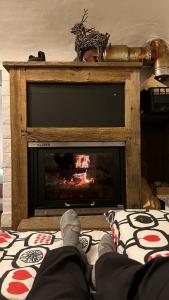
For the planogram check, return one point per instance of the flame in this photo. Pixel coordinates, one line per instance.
(80, 178)
(82, 161)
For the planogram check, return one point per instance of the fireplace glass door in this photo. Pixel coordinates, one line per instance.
(76, 177)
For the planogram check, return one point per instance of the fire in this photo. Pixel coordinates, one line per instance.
(79, 178)
(82, 161)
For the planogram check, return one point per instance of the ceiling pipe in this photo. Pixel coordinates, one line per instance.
(125, 53)
(161, 63)
(155, 54)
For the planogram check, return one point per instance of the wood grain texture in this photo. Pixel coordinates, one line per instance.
(77, 134)
(18, 146)
(46, 64)
(86, 211)
(133, 168)
(52, 223)
(20, 74)
(79, 75)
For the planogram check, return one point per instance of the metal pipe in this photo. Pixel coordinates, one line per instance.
(125, 53)
(156, 54)
(161, 64)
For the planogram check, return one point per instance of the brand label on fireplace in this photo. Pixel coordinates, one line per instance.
(74, 144)
(32, 145)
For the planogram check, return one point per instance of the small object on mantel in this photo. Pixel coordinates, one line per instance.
(163, 195)
(88, 38)
(40, 57)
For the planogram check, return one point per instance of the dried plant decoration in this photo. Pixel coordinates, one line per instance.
(88, 38)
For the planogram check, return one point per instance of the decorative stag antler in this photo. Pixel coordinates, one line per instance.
(89, 38)
(85, 16)
(90, 30)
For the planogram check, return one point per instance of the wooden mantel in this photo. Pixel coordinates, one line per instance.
(66, 72)
(43, 64)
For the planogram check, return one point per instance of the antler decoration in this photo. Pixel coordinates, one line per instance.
(88, 38)
(85, 16)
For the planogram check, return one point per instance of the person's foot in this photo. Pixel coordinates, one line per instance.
(70, 228)
(70, 231)
(106, 244)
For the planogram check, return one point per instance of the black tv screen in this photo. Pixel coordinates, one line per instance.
(75, 105)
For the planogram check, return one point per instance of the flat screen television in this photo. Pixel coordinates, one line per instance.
(75, 105)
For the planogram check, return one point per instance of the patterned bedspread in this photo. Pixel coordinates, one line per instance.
(21, 254)
(140, 234)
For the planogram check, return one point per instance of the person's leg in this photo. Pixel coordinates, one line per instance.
(152, 280)
(114, 272)
(61, 276)
(62, 273)
(121, 278)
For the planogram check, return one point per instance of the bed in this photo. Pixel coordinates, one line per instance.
(139, 234)
(21, 254)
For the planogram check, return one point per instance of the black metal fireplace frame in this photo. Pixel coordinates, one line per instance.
(36, 174)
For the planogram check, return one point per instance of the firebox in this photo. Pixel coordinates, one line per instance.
(76, 174)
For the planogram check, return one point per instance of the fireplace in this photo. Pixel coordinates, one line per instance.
(74, 105)
(76, 175)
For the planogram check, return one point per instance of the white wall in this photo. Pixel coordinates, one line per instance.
(28, 26)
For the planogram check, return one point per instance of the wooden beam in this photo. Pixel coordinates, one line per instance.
(47, 64)
(77, 134)
(18, 146)
(52, 223)
(133, 168)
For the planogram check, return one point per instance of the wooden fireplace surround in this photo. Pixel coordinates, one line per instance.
(21, 134)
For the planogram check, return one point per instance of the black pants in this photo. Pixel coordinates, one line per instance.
(62, 276)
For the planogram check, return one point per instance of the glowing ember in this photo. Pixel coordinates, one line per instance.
(82, 164)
